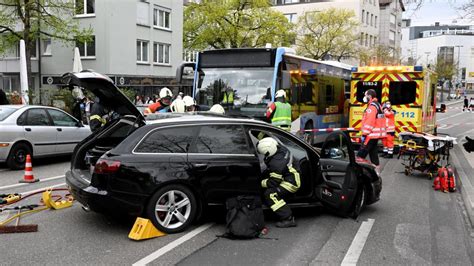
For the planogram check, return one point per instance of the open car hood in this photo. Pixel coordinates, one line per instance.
(104, 88)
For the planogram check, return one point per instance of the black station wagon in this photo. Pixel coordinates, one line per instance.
(170, 169)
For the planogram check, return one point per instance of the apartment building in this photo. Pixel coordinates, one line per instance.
(138, 43)
(390, 30)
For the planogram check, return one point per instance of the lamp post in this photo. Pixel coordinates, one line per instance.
(457, 65)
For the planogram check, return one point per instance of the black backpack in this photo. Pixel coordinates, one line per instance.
(245, 218)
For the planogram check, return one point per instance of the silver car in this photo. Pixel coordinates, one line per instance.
(37, 130)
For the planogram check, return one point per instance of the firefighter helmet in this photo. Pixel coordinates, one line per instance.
(217, 108)
(188, 101)
(165, 92)
(280, 93)
(177, 106)
(267, 146)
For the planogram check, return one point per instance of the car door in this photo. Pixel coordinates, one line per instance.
(38, 130)
(221, 161)
(69, 131)
(337, 186)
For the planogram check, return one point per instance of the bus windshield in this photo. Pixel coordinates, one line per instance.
(234, 87)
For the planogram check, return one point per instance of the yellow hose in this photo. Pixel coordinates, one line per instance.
(21, 214)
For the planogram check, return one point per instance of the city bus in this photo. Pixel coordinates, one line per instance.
(244, 82)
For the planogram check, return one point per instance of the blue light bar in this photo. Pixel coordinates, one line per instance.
(354, 69)
(312, 71)
(418, 68)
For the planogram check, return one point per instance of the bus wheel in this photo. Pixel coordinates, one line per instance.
(309, 136)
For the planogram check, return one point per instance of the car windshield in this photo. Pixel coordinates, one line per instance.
(237, 87)
(6, 112)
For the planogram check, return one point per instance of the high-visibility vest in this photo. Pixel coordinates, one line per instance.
(228, 97)
(373, 121)
(282, 115)
(389, 120)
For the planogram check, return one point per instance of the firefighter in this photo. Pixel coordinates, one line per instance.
(373, 127)
(228, 98)
(390, 128)
(189, 103)
(279, 112)
(178, 106)
(283, 179)
(163, 104)
(98, 116)
(218, 109)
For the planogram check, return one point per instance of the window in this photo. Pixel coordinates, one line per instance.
(291, 1)
(222, 139)
(61, 119)
(291, 17)
(363, 15)
(37, 117)
(336, 147)
(85, 7)
(161, 53)
(143, 15)
(393, 19)
(86, 49)
(370, 40)
(142, 51)
(329, 96)
(366, 39)
(169, 140)
(402, 92)
(46, 46)
(363, 86)
(375, 22)
(361, 38)
(391, 35)
(161, 18)
(371, 19)
(367, 18)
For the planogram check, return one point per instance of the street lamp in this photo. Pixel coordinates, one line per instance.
(457, 68)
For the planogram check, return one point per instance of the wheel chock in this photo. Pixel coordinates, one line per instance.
(50, 203)
(144, 229)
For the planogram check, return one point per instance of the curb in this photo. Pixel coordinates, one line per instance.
(465, 187)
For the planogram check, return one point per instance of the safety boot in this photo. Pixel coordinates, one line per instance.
(289, 222)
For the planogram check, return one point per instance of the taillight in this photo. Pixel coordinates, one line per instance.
(104, 166)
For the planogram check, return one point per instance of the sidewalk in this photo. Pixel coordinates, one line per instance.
(464, 163)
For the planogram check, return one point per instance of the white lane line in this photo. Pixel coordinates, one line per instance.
(353, 254)
(41, 180)
(162, 251)
(451, 116)
(40, 189)
(465, 133)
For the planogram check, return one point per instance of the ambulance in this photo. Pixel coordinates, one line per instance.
(410, 89)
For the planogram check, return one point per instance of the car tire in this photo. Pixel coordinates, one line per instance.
(359, 201)
(172, 218)
(17, 156)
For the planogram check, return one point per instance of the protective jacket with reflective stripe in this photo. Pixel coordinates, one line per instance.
(282, 115)
(373, 121)
(282, 172)
(389, 120)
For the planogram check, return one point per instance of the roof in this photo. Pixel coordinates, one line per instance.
(199, 117)
(388, 2)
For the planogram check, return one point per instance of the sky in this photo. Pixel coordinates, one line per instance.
(431, 11)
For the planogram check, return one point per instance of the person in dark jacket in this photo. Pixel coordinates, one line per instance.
(98, 116)
(282, 181)
(3, 98)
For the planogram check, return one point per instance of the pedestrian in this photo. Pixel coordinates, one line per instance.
(98, 116)
(138, 100)
(466, 104)
(3, 98)
(373, 128)
(390, 127)
(279, 112)
(163, 104)
(89, 104)
(471, 104)
(282, 180)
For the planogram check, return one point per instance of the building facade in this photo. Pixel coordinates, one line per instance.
(390, 30)
(137, 43)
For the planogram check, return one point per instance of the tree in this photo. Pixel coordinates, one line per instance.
(379, 55)
(445, 69)
(233, 24)
(33, 20)
(327, 34)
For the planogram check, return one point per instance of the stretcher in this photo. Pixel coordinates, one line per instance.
(424, 152)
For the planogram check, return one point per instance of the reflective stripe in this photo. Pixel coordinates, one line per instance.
(290, 187)
(282, 115)
(264, 183)
(276, 176)
(101, 120)
(277, 203)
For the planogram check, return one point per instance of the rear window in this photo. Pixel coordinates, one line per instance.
(363, 86)
(6, 112)
(169, 140)
(403, 92)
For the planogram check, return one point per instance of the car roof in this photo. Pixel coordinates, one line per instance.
(19, 106)
(200, 117)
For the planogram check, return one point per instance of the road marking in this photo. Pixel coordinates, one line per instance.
(40, 189)
(465, 133)
(24, 184)
(353, 254)
(451, 116)
(162, 251)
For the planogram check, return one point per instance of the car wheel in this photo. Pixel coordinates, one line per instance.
(172, 208)
(17, 157)
(359, 201)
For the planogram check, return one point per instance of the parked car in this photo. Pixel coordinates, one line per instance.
(37, 130)
(170, 169)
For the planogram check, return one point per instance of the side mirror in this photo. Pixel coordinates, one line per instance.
(285, 79)
(181, 70)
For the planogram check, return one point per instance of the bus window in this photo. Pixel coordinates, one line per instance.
(329, 95)
(363, 86)
(402, 92)
(307, 93)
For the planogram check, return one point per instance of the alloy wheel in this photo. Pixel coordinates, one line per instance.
(173, 209)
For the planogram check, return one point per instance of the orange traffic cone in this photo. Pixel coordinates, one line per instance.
(28, 177)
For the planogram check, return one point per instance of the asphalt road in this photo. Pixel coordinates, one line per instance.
(411, 224)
